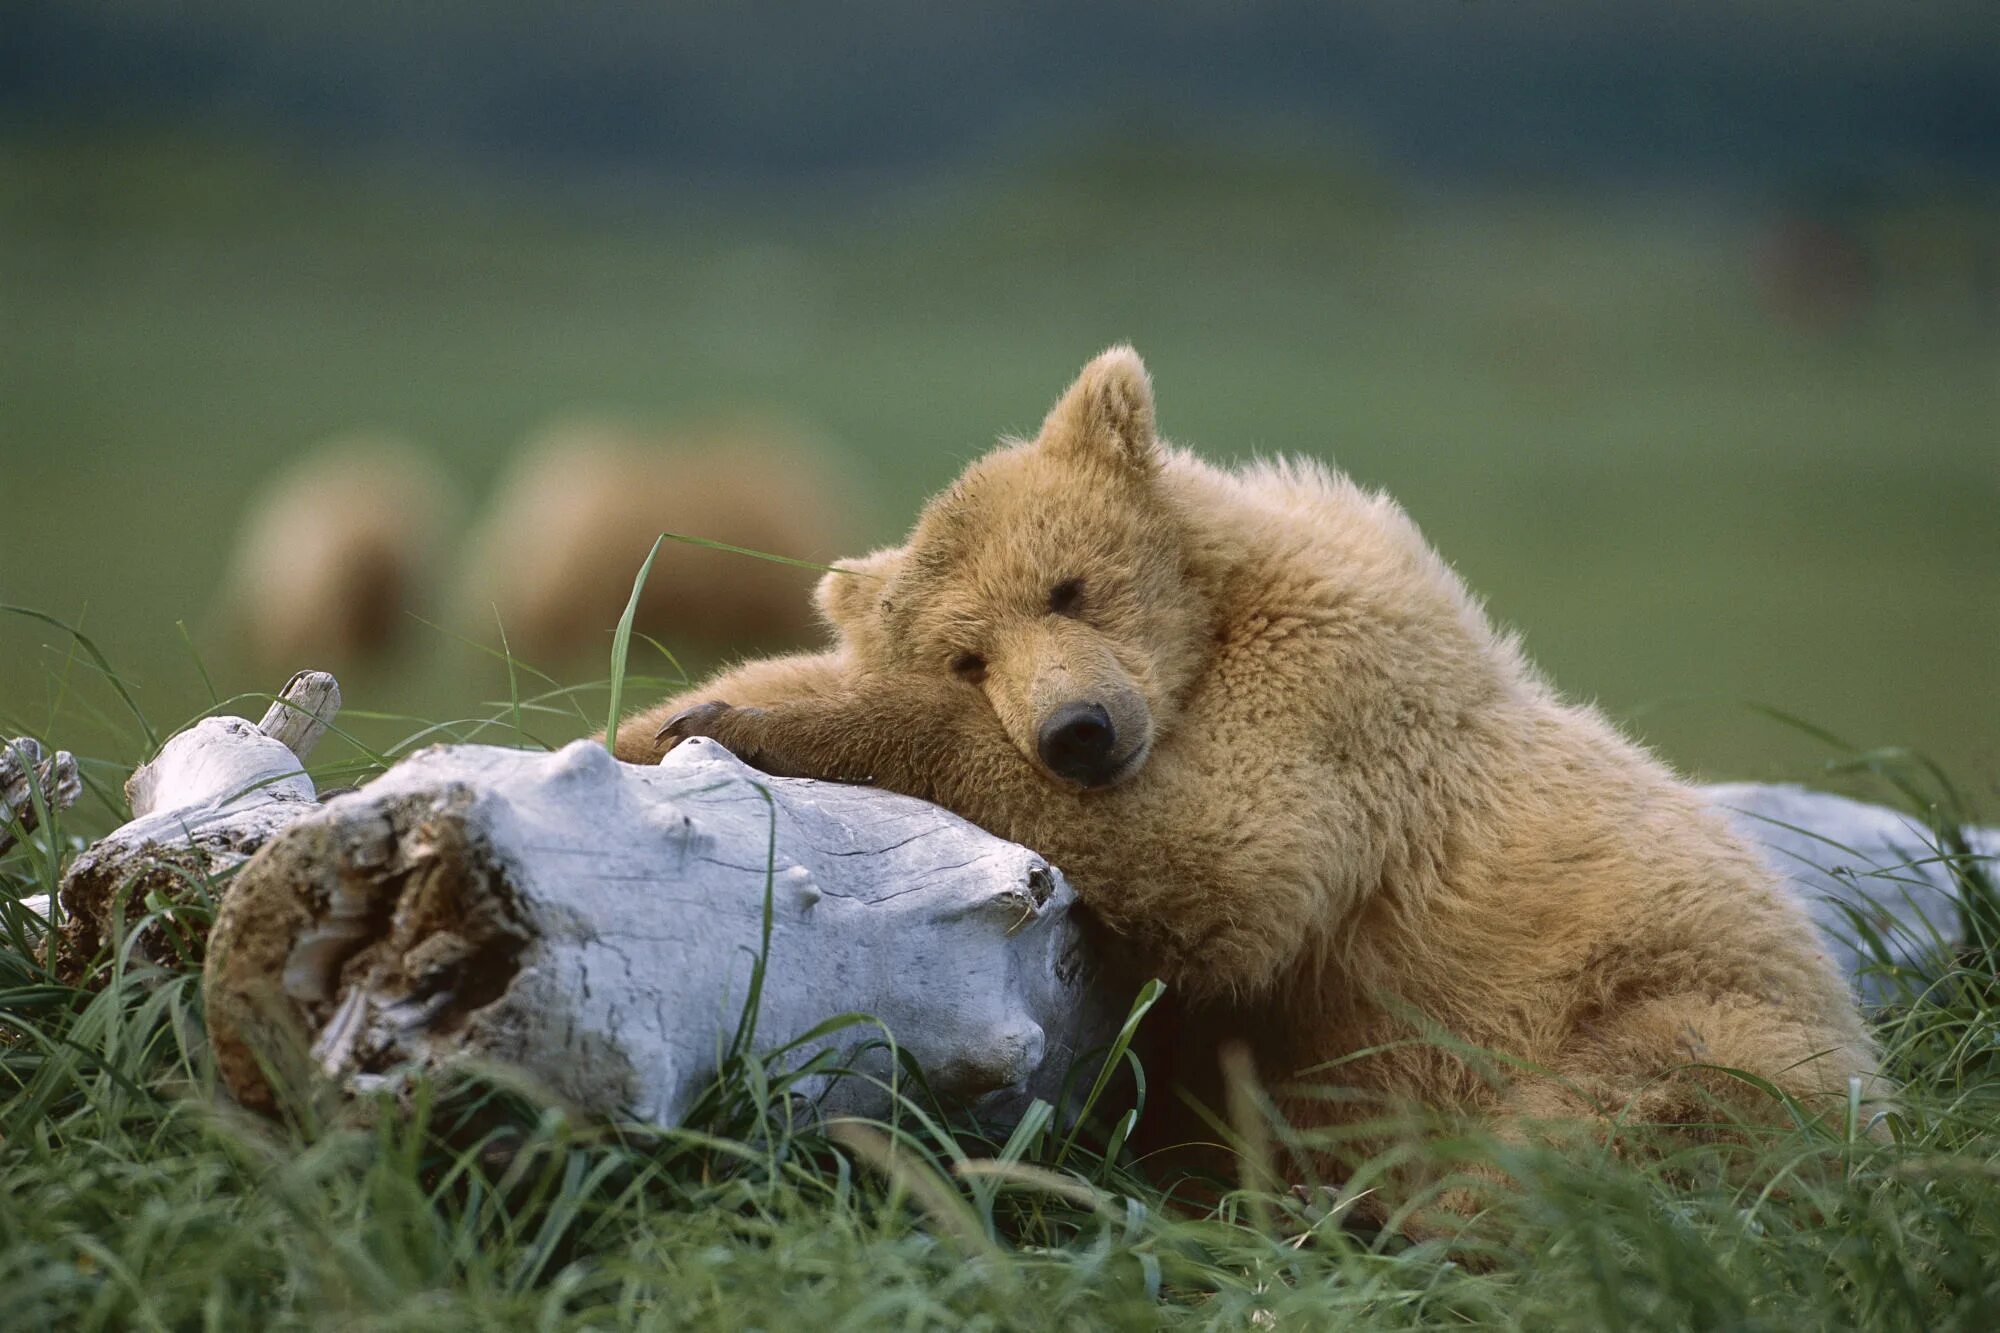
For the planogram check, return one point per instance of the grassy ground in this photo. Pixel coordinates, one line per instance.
(1685, 502)
(130, 1197)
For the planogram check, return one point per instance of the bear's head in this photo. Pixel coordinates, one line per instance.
(1048, 585)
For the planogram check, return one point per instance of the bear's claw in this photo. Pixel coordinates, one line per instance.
(690, 721)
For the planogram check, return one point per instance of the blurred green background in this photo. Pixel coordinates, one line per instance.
(1681, 339)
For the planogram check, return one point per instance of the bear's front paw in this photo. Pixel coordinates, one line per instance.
(700, 720)
(738, 730)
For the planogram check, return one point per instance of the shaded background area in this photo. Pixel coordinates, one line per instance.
(1677, 326)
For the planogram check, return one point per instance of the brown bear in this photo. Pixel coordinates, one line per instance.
(571, 523)
(1277, 745)
(337, 554)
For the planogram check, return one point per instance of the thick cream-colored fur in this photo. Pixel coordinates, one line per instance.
(1360, 817)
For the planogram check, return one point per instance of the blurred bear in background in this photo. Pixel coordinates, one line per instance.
(336, 553)
(571, 522)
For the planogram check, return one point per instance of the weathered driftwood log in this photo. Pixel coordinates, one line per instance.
(603, 926)
(1855, 864)
(32, 780)
(211, 797)
(599, 924)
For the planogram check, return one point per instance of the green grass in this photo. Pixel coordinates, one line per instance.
(132, 1196)
(1686, 504)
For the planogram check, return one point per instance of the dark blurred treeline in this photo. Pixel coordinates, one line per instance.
(1787, 95)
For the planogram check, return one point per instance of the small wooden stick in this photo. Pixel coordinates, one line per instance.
(300, 714)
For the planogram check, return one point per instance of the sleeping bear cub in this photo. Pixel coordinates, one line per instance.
(1277, 746)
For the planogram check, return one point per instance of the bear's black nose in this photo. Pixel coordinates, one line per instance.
(1077, 743)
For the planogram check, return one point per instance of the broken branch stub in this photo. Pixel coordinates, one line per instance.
(601, 926)
(31, 781)
(303, 710)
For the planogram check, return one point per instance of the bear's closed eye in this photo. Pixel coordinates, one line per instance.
(1065, 597)
(969, 667)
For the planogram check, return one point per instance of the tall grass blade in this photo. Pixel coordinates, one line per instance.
(621, 644)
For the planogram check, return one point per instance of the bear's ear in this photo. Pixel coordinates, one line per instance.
(1107, 414)
(848, 593)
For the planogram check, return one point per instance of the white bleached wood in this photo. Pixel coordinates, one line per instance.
(225, 762)
(28, 772)
(1844, 857)
(303, 710)
(218, 765)
(213, 795)
(611, 917)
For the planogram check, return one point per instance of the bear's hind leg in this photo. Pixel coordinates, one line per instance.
(1702, 1062)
